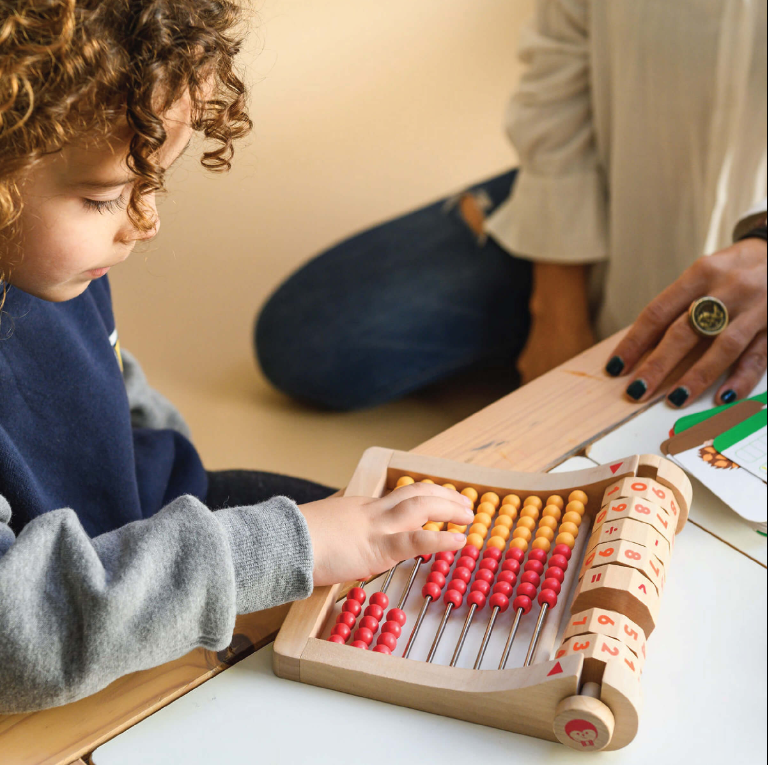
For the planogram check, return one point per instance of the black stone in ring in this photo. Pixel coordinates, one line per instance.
(708, 316)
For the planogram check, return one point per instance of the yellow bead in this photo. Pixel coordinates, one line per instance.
(576, 507)
(512, 499)
(427, 480)
(479, 529)
(522, 533)
(454, 527)
(556, 500)
(526, 523)
(471, 493)
(552, 512)
(433, 527)
(487, 507)
(572, 518)
(578, 496)
(476, 541)
(569, 528)
(449, 486)
(485, 519)
(508, 511)
(543, 532)
(566, 539)
(520, 544)
(529, 511)
(492, 497)
(548, 522)
(505, 520)
(535, 501)
(405, 480)
(497, 542)
(500, 531)
(542, 543)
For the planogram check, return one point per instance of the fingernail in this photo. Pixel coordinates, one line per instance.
(679, 396)
(637, 390)
(615, 366)
(467, 500)
(460, 538)
(729, 397)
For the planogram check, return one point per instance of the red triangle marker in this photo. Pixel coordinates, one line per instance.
(615, 468)
(556, 670)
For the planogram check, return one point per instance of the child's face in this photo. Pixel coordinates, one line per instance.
(74, 224)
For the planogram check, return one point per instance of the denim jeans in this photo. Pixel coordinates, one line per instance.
(396, 308)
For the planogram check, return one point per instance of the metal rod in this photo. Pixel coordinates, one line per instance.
(411, 580)
(511, 639)
(486, 638)
(416, 627)
(536, 635)
(439, 635)
(388, 580)
(463, 636)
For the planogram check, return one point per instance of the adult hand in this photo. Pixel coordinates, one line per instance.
(737, 276)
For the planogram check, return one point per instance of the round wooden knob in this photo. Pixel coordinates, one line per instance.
(584, 724)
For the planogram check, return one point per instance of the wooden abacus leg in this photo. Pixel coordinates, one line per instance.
(584, 722)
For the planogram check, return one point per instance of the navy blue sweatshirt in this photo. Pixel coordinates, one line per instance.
(66, 439)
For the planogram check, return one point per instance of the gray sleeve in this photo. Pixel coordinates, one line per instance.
(77, 613)
(149, 409)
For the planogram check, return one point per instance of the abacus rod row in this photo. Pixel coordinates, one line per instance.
(463, 636)
(388, 580)
(511, 639)
(411, 580)
(416, 627)
(439, 634)
(536, 635)
(486, 638)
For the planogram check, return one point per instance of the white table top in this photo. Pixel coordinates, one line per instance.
(704, 687)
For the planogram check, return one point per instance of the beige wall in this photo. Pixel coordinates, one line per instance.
(362, 110)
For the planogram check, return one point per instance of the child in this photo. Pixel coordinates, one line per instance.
(111, 559)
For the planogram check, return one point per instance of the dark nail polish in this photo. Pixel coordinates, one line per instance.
(679, 396)
(729, 397)
(615, 366)
(637, 390)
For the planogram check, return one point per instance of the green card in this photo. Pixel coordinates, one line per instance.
(741, 432)
(684, 423)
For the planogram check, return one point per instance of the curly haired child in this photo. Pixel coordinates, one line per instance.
(118, 550)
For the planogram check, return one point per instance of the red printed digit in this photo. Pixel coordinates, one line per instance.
(673, 506)
(619, 508)
(632, 633)
(659, 493)
(605, 620)
(560, 654)
(613, 490)
(581, 623)
(632, 555)
(588, 561)
(607, 553)
(655, 570)
(612, 651)
(611, 531)
(664, 523)
(642, 509)
(642, 587)
(581, 646)
(600, 518)
(639, 487)
(630, 664)
(597, 577)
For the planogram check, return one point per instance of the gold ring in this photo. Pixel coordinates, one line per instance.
(708, 316)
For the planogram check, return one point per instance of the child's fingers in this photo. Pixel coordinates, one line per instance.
(409, 544)
(414, 512)
(414, 490)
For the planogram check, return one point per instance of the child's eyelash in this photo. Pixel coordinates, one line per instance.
(111, 205)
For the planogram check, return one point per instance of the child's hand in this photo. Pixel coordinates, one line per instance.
(357, 537)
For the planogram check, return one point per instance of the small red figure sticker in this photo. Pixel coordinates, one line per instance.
(582, 732)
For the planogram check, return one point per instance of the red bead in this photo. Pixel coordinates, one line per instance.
(352, 607)
(359, 644)
(511, 565)
(358, 594)
(337, 639)
(563, 550)
(531, 577)
(476, 599)
(527, 589)
(493, 552)
(553, 572)
(464, 574)
(375, 612)
(369, 623)
(489, 564)
(522, 603)
(424, 558)
(549, 597)
(559, 561)
(481, 586)
(387, 639)
(509, 577)
(431, 590)
(452, 596)
(505, 588)
(535, 566)
(471, 551)
(380, 599)
(342, 631)
(514, 554)
(438, 579)
(393, 628)
(551, 584)
(364, 636)
(382, 649)
(346, 618)
(466, 562)
(484, 575)
(538, 555)
(458, 585)
(499, 601)
(444, 557)
(397, 615)
(441, 567)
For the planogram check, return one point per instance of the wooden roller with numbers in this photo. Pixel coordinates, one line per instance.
(537, 626)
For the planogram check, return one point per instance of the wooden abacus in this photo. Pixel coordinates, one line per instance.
(587, 694)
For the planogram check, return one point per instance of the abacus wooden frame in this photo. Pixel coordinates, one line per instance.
(521, 700)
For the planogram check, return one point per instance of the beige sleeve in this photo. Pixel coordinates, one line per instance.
(558, 210)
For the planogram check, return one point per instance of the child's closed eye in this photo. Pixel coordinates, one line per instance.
(107, 206)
